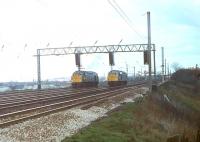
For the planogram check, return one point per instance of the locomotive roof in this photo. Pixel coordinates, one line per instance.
(90, 72)
(117, 71)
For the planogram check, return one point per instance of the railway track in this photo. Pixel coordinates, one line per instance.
(16, 106)
(37, 93)
(46, 95)
(14, 96)
(42, 97)
(38, 111)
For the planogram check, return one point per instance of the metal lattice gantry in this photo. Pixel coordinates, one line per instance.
(90, 50)
(95, 49)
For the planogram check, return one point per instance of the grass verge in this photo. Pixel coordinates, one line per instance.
(128, 123)
(146, 121)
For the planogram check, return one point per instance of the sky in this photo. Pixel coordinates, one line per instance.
(28, 25)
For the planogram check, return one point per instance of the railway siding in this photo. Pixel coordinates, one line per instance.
(27, 104)
(18, 116)
(67, 122)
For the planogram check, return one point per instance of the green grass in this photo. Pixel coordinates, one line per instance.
(121, 126)
(115, 128)
(185, 95)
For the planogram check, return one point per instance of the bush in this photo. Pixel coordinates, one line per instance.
(189, 76)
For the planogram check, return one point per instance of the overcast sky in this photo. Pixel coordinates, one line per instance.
(30, 24)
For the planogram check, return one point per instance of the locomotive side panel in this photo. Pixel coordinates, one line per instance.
(84, 79)
(116, 78)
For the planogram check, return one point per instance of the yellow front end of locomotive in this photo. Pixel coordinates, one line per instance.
(112, 77)
(76, 78)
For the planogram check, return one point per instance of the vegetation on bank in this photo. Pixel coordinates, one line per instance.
(128, 124)
(172, 110)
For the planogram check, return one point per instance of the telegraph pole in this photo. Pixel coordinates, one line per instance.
(149, 49)
(38, 69)
(162, 48)
(154, 60)
(127, 68)
(165, 68)
(168, 70)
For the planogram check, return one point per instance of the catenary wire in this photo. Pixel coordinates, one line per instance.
(123, 15)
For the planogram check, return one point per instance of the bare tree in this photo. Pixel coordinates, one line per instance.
(176, 66)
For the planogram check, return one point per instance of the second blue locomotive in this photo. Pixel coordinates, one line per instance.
(117, 78)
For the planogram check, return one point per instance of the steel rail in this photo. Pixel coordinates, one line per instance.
(87, 101)
(46, 92)
(41, 96)
(18, 92)
(55, 104)
(47, 100)
(6, 103)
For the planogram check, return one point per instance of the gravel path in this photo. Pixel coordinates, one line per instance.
(55, 127)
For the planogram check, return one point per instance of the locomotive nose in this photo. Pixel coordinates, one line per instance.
(84, 79)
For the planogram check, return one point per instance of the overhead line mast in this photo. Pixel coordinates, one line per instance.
(149, 49)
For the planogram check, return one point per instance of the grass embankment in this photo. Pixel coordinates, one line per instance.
(183, 110)
(152, 120)
(129, 123)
